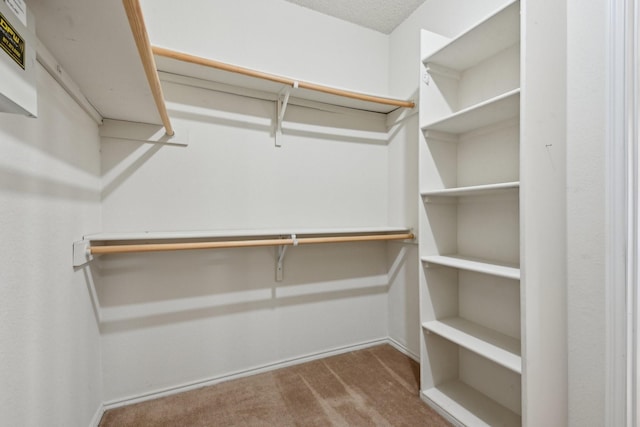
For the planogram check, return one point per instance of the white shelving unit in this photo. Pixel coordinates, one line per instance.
(471, 364)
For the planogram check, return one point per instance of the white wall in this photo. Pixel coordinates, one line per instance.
(447, 18)
(49, 196)
(182, 318)
(273, 36)
(587, 107)
(543, 204)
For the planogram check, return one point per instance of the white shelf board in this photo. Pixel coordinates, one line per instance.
(492, 35)
(475, 264)
(495, 346)
(476, 190)
(236, 234)
(181, 68)
(469, 407)
(489, 112)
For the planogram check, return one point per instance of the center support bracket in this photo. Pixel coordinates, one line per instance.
(282, 250)
(281, 108)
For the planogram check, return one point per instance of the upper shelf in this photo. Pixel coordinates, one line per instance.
(228, 74)
(494, 34)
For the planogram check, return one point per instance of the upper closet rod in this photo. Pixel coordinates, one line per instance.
(159, 247)
(139, 30)
(185, 57)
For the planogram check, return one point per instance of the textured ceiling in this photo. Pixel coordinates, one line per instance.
(379, 15)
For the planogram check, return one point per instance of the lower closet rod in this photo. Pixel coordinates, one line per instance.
(159, 247)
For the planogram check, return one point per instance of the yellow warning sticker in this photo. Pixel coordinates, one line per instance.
(12, 43)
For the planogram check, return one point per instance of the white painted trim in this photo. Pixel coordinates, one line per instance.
(617, 220)
(403, 349)
(622, 215)
(97, 417)
(632, 89)
(169, 391)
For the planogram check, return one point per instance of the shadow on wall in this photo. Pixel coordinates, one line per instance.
(311, 120)
(16, 181)
(138, 291)
(113, 180)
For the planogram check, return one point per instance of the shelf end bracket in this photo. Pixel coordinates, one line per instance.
(82, 253)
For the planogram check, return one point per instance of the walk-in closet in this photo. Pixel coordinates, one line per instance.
(299, 212)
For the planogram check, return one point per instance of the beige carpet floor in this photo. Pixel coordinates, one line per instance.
(377, 386)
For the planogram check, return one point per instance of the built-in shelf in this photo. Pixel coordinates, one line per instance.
(472, 340)
(231, 76)
(494, 34)
(122, 243)
(475, 264)
(489, 112)
(469, 407)
(476, 190)
(497, 347)
(237, 234)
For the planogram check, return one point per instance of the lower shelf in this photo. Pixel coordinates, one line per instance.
(497, 347)
(468, 406)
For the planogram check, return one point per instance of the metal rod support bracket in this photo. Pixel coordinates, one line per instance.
(281, 108)
(282, 250)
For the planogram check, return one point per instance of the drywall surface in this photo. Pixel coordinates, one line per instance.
(175, 319)
(49, 196)
(587, 104)
(273, 36)
(543, 153)
(232, 176)
(448, 18)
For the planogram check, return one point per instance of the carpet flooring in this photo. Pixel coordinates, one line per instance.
(377, 386)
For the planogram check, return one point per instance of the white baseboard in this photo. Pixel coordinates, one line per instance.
(252, 371)
(97, 417)
(403, 349)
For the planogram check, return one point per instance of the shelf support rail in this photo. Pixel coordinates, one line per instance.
(84, 251)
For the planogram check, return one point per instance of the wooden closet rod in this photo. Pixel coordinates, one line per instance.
(185, 57)
(160, 247)
(140, 35)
